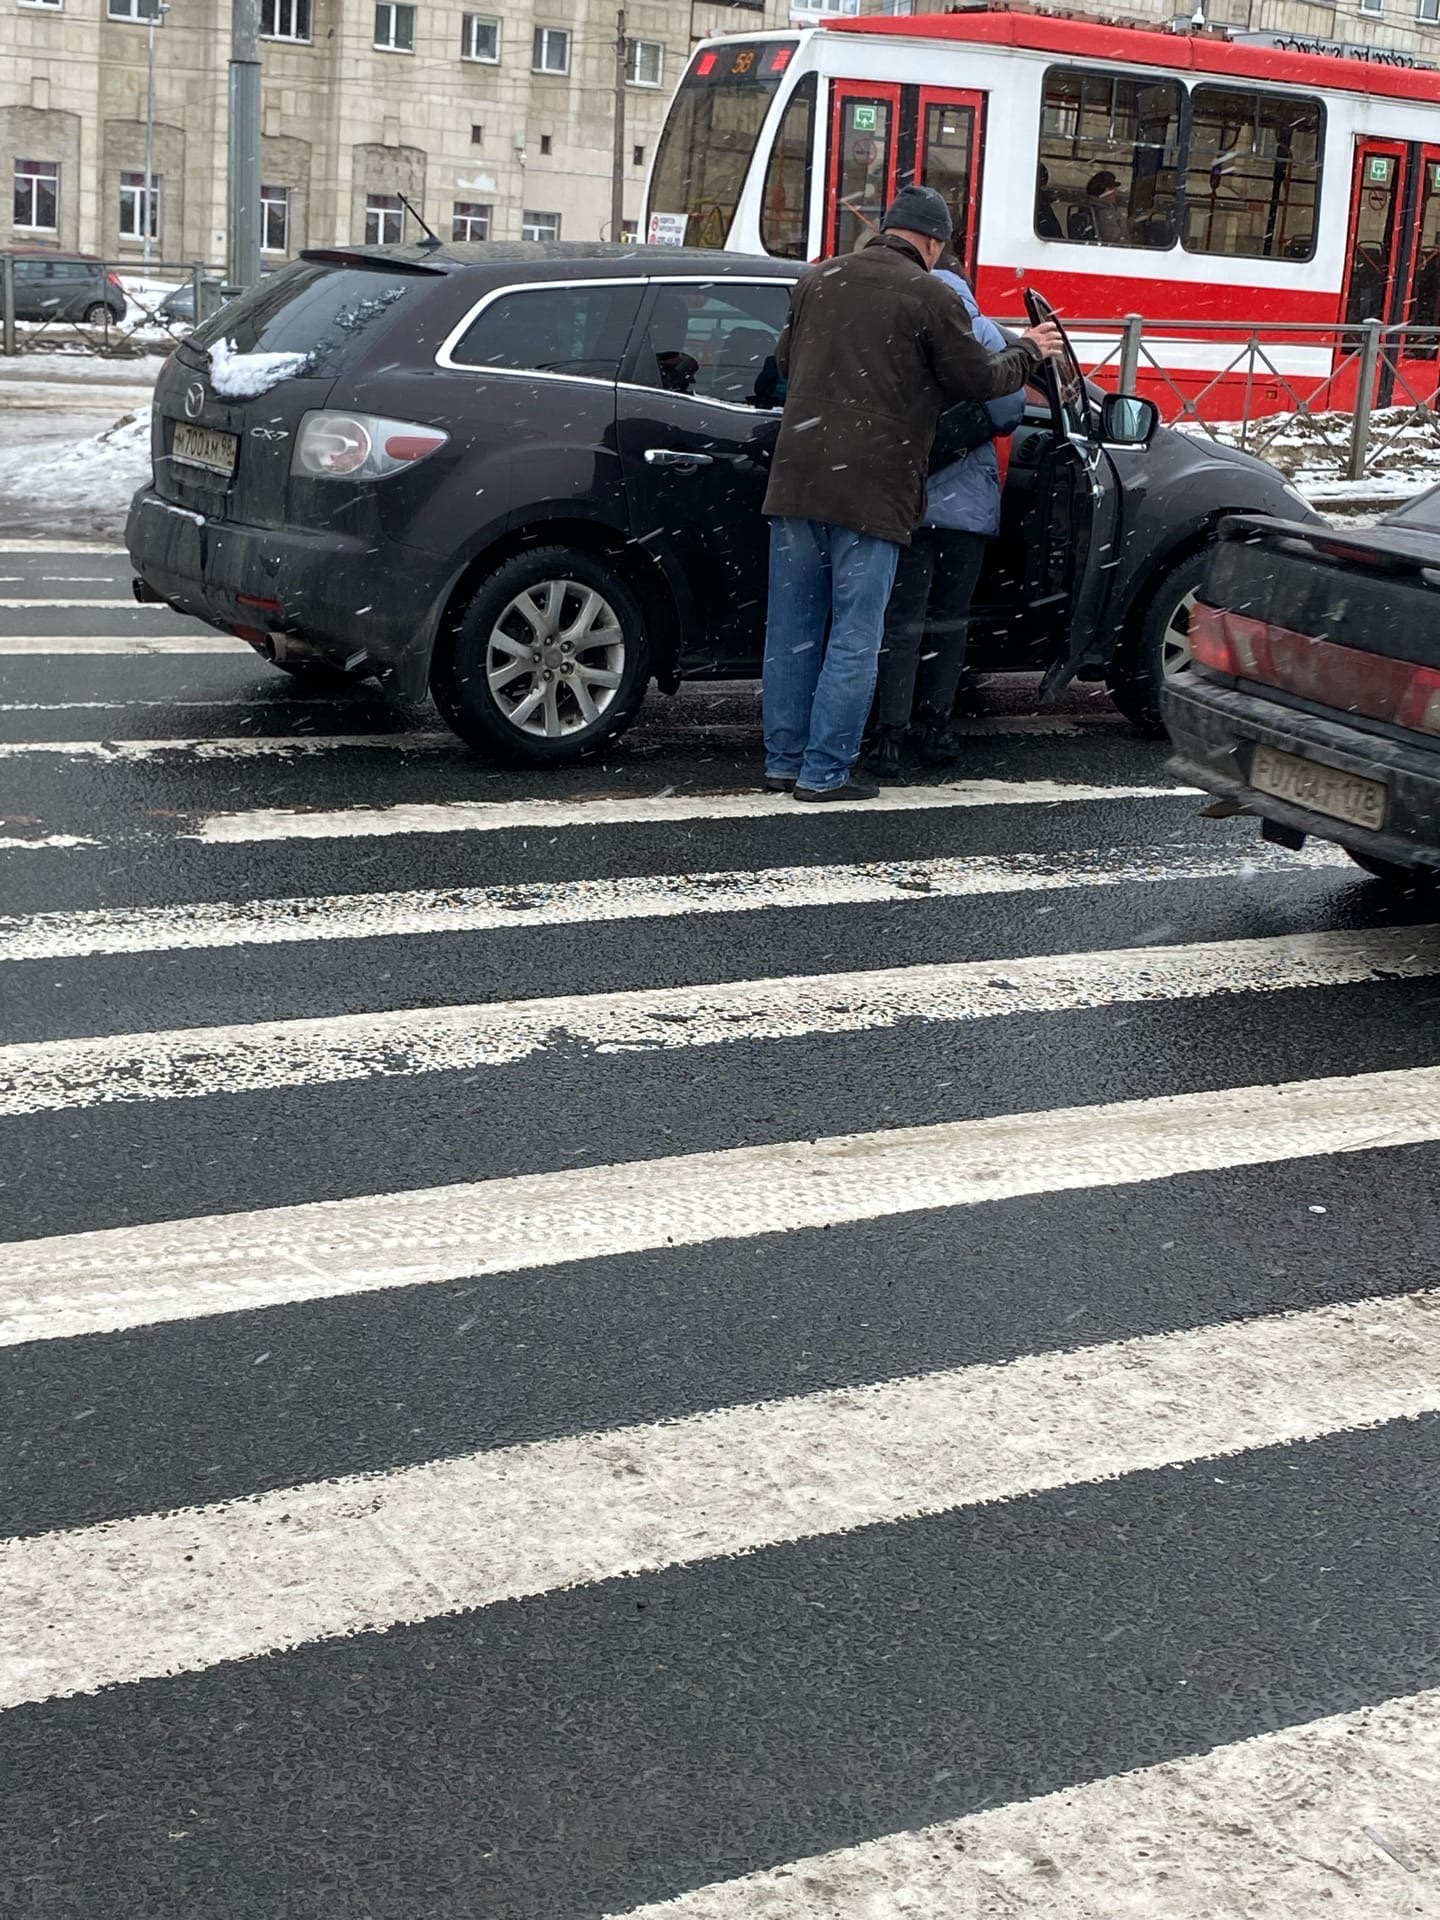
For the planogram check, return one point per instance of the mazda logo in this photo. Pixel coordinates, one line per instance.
(194, 400)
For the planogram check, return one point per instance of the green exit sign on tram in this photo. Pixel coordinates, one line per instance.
(1381, 165)
(863, 119)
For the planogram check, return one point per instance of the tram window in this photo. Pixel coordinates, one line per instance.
(1252, 182)
(785, 207)
(862, 187)
(1109, 150)
(710, 137)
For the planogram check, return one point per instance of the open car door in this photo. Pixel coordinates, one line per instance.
(1074, 512)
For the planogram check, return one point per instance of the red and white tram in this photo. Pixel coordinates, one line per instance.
(1123, 169)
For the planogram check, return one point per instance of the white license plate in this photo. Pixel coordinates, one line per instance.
(204, 447)
(1305, 783)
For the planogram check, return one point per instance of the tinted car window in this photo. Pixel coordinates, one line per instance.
(579, 330)
(1421, 512)
(715, 341)
(325, 311)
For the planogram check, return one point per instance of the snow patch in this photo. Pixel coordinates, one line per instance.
(245, 376)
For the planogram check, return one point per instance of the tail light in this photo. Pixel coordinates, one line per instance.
(1375, 685)
(360, 446)
(1210, 642)
(114, 280)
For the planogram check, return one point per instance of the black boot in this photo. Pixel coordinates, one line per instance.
(882, 761)
(938, 746)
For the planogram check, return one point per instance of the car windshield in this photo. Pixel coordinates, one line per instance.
(322, 310)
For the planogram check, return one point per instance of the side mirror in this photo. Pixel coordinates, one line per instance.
(1126, 421)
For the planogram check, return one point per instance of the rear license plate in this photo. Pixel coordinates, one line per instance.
(1305, 783)
(204, 447)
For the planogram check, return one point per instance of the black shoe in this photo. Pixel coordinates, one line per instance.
(882, 761)
(853, 789)
(940, 748)
(779, 783)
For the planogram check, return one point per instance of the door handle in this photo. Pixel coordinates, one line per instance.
(678, 458)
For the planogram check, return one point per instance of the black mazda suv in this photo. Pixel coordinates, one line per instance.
(528, 480)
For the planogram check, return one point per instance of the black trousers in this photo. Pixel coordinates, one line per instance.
(926, 625)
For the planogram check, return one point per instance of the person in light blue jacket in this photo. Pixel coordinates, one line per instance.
(927, 620)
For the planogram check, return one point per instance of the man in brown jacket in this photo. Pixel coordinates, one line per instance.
(872, 351)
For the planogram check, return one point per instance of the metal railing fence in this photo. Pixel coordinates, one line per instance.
(1347, 401)
(142, 328)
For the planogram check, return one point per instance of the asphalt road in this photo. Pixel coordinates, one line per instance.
(603, 1344)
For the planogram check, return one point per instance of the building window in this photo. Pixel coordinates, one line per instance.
(1252, 184)
(37, 195)
(132, 206)
(1109, 160)
(545, 144)
(133, 9)
(480, 38)
(384, 220)
(539, 226)
(550, 51)
(284, 19)
(274, 219)
(1372, 6)
(825, 6)
(477, 135)
(644, 60)
(394, 27)
(1428, 10)
(630, 230)
(470, 220)
(637, 156)
(54, 6)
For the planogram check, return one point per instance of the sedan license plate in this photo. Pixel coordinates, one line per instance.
(205, 447)
(1305, 783)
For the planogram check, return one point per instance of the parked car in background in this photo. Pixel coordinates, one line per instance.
(529, 478)
(66, 286)
(1313, 694)
(179, 304)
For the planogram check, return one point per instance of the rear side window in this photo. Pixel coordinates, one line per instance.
(580, 330)
(329, 313)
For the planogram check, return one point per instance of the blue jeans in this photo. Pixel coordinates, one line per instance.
(818, 691)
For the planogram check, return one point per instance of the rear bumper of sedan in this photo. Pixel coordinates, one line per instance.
(294, 592)
(1216, 729)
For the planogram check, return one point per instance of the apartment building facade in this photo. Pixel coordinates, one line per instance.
(494, 123)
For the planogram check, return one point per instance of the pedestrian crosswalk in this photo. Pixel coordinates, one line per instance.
(602, 1346)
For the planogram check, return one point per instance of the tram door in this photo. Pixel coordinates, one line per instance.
(864, 133)
(883, 137)
(1394, 264)
(945, 153)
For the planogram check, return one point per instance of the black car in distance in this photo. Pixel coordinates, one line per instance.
(528, 479)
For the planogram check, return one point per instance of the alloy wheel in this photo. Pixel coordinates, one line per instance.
(1175, 640)
(555, 658)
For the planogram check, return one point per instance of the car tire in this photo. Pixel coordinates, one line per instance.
(1156, 647)
(98, 316)
(1394, 873)
(508, 683)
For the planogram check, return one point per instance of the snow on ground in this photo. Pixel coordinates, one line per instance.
(75, 487)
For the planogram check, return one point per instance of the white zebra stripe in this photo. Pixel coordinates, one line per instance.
(191, 1063)
(1336, 1817)
(164, 1594)
(33, 646)
(605, 810)
(114, 1278)
(571, 903)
